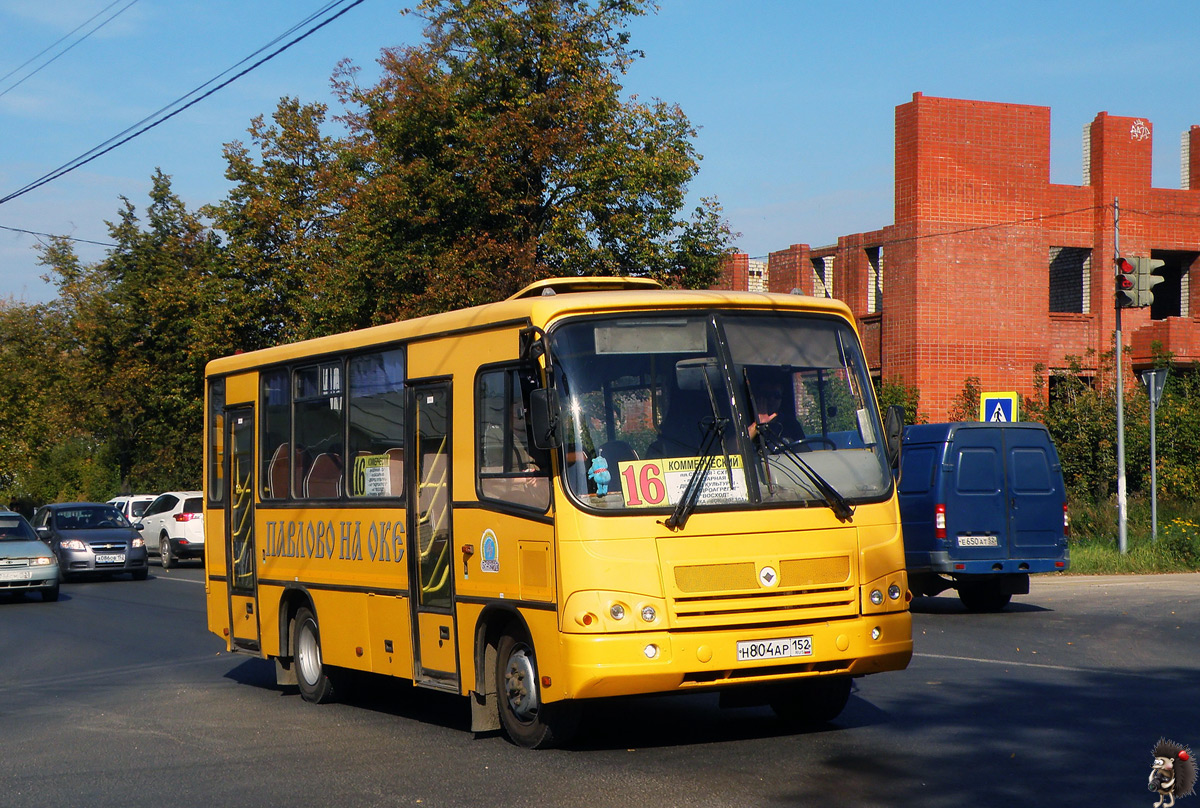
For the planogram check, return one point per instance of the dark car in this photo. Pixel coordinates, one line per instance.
(91, 538)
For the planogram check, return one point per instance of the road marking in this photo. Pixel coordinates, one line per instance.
(1065, 668)
(161, 577)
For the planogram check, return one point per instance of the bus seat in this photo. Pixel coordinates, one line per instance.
(324, 479)
(396, 471)
(618, 451)
(679, 434)
(277, 473)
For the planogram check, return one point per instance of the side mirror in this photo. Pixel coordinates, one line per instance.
(893, 429)
(544, 418)
(43, 532)
(139, 527)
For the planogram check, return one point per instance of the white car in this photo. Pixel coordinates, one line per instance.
(132, 506)
(173, 526)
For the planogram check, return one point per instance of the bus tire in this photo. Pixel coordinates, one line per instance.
(811, 701)
(526, 719)
(983, 596)
(311, 675)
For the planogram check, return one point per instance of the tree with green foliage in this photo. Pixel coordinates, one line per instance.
(280, 275)
(966, 403)
(501, 152)
(134, 360)
(895, 391)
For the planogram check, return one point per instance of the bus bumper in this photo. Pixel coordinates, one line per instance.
(598, 666)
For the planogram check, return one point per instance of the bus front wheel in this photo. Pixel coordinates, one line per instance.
(528, 721)
(311, 675)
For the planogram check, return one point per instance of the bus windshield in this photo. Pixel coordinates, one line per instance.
(772, 408)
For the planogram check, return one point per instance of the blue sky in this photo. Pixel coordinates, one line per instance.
(794, 101)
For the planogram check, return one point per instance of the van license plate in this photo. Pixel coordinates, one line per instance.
(748, 650)
(978, 541)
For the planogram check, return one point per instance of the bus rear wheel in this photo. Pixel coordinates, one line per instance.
(812, 701)
(311, 675)
(527, 720)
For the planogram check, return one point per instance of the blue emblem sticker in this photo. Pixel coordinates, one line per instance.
(491, 553)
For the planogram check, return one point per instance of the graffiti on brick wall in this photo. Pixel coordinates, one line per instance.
(1139, 130)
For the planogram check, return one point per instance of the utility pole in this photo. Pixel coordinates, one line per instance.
(1122, 504)
(1154, 380)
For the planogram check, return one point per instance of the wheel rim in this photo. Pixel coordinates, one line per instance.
(308, 653)
(520, 684)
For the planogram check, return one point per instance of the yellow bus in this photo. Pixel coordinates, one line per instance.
(596, 488)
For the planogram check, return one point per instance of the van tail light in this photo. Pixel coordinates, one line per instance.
(939, 521)
(1066, 522)
(186, 517)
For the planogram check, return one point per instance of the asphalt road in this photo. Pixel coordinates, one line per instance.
(117, 696)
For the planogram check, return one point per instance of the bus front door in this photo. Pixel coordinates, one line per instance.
(430, 548)
(239, 529)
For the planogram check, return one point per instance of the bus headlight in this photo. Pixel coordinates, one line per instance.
(876, 597)
(894, 592)
(597, 611)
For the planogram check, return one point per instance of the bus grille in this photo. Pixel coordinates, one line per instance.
(730, 594)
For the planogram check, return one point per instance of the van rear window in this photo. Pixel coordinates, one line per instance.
(978, 470)
(1030, 471)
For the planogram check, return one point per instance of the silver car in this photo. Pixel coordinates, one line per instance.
(91, 537)
(26, 563)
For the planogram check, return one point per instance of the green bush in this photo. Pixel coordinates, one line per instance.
(1179, 543)
(1094, 537)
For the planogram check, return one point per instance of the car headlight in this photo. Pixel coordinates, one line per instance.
(139, 542)
(42, 561)
(72, 544)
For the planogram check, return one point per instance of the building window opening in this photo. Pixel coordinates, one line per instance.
(1171, 297)
(757, 276)
(874, 280)
(1070, 273)
(822, 276)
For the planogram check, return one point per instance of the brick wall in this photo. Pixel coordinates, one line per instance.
(966, 262)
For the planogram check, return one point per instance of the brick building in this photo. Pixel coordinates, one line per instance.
(989, 268)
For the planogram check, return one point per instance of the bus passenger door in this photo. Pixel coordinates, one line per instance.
(430, 549)
(239, 529)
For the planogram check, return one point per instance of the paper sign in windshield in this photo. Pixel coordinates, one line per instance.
(661, 483)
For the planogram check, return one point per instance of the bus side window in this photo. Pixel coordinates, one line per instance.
(275, 427)
(376, 419)
(510, 468)
(319, 426)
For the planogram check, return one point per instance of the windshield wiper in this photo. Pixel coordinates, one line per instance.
(841, 508)
(760, 439)
(691, 492)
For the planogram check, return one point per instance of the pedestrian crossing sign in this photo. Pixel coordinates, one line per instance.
(999, 407)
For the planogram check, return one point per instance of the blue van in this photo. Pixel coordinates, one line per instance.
(982, 506)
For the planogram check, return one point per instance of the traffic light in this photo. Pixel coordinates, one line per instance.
(1146, 280)
(1127, 289)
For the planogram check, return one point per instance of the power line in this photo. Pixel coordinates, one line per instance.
(51, 60)
(52, 235)
(129, 133)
